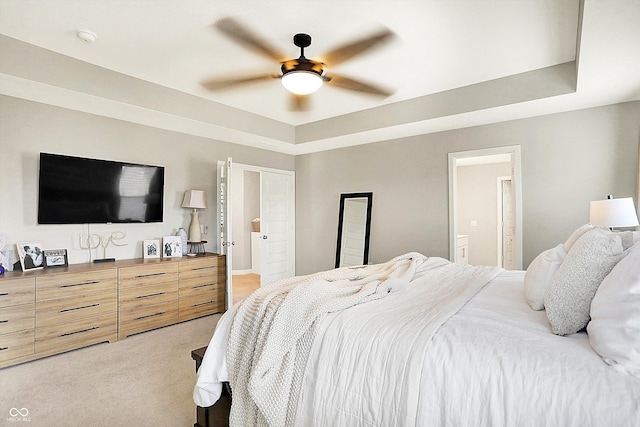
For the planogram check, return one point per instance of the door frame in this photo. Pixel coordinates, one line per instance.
(515, 152)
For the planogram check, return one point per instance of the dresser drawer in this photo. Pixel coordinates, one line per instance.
(63, 310)
(148, 274)
(16, 344)
(133, 298)
(200, 286)
(76, 334)
(202, 305)
(203, 267)
(17, 318)
(75, 284)
(147, 317)
(17, 291)
(148, 311)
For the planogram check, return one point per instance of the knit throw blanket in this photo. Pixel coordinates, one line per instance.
(274, 328)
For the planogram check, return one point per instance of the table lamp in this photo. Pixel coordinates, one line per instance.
(194, 199)
(613, 213)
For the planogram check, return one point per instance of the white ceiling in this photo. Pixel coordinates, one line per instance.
(438, 46)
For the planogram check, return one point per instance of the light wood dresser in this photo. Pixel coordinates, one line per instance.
(50, 311)
(148, 297)
(75, 309)
(201, 287)
(17, 318)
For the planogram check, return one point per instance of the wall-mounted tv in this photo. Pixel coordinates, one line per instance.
(77, 190)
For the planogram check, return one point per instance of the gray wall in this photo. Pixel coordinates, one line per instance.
(27, 128)
(568, 159)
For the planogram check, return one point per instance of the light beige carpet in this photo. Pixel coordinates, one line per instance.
(144, 380)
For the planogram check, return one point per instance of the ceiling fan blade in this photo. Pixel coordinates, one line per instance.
(218, 84)
(357, 85)
(299, 102)
(236, 31)
(348, 51)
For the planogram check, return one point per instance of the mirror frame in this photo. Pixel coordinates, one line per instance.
(367, 233)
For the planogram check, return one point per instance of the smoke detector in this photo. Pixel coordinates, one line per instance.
(87, 36)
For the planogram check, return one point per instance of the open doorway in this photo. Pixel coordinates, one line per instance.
(246, 231)
(267, 194)
(493, 236)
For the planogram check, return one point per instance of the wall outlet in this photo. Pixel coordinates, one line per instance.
(474, 223)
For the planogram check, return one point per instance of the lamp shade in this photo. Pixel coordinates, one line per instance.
(613, 213)
(194, 199)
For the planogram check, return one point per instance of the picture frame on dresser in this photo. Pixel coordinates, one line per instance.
(6, 259)
(30, 255)
(171, 247)
(55, 258)
(151, 249)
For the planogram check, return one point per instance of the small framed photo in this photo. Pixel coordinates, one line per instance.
(171, 246)
(55, 258)
(151, 249)
(31, 256)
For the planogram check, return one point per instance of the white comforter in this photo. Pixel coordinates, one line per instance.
(493, 363)
(274, 329)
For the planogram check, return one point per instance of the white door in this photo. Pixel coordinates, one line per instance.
(354, 230)
(506, 226)
(224, 224)
(277, 226)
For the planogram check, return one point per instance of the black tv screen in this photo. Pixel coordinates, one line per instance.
(76, 190)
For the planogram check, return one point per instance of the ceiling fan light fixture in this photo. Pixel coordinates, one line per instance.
(302, 82)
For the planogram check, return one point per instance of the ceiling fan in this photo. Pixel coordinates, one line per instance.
(301, 76)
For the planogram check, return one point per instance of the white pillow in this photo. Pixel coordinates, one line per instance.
(539, 273)
(571, 289)
(576, 235)
(614, 330)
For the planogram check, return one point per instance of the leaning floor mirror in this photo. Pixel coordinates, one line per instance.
(354, 228)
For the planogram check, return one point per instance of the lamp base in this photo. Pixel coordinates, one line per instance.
(194, 229)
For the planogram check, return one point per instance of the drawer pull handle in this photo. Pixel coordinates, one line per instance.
(204, 286)
(150, 295)
(203, 268)
(79, 308)
(150, 275)
(80, 284)
(150, 315)
(4, 348)
(4, 294)
(4, 321)
(204, 303)
(79, 332)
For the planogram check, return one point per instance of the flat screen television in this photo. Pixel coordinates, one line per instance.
(77, 190)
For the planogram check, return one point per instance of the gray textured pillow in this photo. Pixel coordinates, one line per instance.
(572, 287)
(578, 232)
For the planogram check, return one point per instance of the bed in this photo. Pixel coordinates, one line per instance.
(433, 343)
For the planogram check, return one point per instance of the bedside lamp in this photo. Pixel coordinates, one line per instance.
(613, 213)
(194, 199)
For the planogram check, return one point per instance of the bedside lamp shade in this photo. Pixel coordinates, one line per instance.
(613, 213)
(194, 199)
